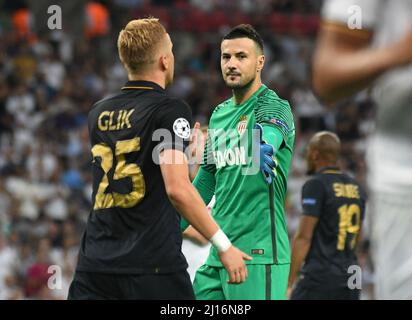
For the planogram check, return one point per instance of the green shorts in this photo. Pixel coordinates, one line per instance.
(264, 282)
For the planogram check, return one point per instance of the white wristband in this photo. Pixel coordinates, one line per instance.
(220, 241)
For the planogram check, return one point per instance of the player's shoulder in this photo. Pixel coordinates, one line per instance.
(170, 102)
(268, 100)
(348, 177)
(331, 175)
(315, 180)
(313, 187)
(352, 180)
(222, 105)
(174, 113)
(101, 104)
(271, 108)
(173, 106)
(219, 108)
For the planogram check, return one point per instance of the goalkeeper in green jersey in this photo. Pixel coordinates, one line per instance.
(246, 164)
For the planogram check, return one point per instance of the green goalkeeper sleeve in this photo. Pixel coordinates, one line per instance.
(273, 136)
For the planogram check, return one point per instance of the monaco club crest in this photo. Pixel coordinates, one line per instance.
(241, 127)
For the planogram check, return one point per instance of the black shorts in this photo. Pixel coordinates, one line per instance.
(306, 290)
(101, 286)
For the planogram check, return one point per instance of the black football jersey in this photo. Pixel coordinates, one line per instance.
(133, 227)
(339, 203)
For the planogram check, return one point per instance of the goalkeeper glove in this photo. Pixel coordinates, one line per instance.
(268, 163)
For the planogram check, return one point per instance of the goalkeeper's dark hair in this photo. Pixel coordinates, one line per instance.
(245, 31)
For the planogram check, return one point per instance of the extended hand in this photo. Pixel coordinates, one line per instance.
(196, 146)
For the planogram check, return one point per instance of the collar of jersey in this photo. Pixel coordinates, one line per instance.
(141, 85)
(262, 87)
(331, 169)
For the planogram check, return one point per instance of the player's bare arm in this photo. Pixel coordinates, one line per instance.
(301, 245)
(193, 235)
(187, 201)
(344, 63)
(196, 147)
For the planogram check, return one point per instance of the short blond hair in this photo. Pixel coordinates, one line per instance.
(137, 43)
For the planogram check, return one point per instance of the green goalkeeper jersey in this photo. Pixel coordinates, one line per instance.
(246, 208)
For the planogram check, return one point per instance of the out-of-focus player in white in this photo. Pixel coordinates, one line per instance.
(195, 247)
(347, 60)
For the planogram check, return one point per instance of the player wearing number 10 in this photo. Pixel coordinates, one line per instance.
(333, 209)
(131, 248)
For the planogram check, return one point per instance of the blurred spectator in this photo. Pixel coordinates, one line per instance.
(7, 257)
(37, 274)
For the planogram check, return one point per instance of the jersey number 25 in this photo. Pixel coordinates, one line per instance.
(105, 200)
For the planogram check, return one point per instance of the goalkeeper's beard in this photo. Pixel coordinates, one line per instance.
(239, 87)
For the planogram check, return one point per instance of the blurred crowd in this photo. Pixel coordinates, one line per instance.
(50, 79)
